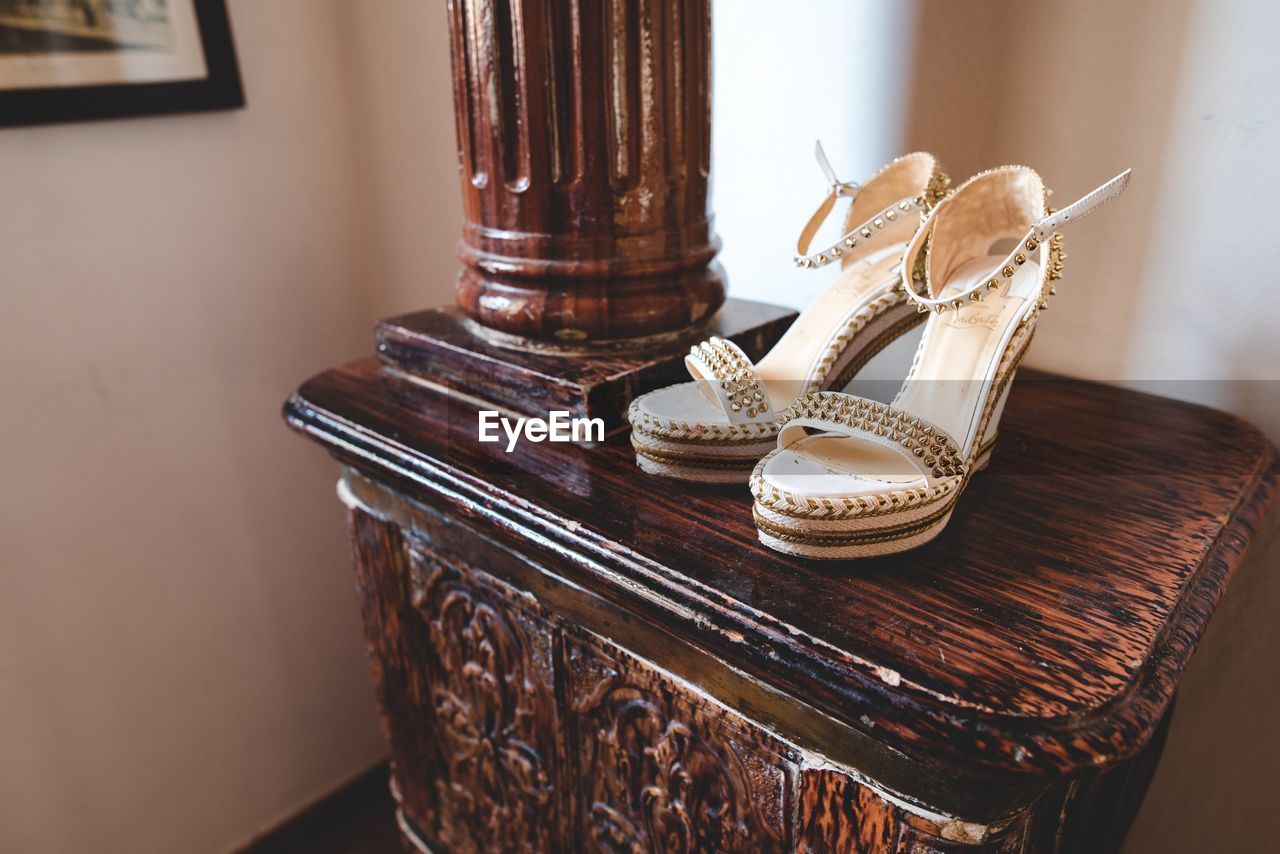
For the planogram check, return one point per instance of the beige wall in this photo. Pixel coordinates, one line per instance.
(180, 653)
(1162, 288)
(412, 208)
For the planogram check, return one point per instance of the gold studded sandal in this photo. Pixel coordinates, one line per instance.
(715, 428)
(855, 478)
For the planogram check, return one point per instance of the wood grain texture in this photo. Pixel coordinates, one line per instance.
(440, 347)
(1089, 813)
(1042, 633)
(840, 814)
(584, 152)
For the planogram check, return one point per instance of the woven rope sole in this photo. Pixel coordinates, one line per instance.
(868, 536)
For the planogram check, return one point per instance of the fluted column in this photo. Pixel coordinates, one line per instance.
(584, 150)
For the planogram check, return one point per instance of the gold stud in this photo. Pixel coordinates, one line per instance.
(751, 413)
(866, 232)
(993, 285)
(764, 407)
(878, 222)
(1008, 272)
(976, 296)
(941, 307)
(822, 259)
(891, 214)
(956, 303)
(836, 251)
(1032, 244)
(905, 206)
(1019, 259)
(850, 242)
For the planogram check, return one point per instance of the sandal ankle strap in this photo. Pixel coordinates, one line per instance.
(1042, 237)
(1083, 206)
(863, 232)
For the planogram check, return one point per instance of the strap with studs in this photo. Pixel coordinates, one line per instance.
(862, 233)
(732, 377)
(929, 447)
(866, 231)
(1040, 238)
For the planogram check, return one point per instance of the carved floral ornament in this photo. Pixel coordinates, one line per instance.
(492, 709)
(661, 777)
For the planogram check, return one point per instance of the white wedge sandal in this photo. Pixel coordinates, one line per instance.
(717, 427)
(855, 478)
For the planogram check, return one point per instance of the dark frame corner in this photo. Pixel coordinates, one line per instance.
(220, 90)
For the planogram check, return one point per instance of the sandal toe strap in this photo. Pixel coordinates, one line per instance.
(932, 451)
(730, 374)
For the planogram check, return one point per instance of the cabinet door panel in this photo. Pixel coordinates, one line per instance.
(664, 768)
(466, 676)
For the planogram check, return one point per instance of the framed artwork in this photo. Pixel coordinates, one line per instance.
(72, 60)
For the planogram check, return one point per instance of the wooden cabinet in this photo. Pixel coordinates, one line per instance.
(572, 656)
(522, 732)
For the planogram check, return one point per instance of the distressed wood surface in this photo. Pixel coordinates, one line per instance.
(1042, 633)
(584, 150)
(838, 813)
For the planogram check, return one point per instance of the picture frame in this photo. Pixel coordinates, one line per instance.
(80, 60)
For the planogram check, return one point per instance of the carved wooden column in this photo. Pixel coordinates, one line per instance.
(584, 145)
(588, 252)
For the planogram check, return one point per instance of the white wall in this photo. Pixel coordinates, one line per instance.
(1165, 288)
(180, 653)
(1207, 310)
(785, 75)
